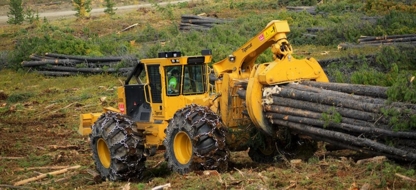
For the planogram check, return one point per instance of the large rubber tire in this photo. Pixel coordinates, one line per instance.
(266, 153)
(265, 149)
(117, 147)
(195, 140)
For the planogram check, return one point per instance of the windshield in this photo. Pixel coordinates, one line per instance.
(194, 77)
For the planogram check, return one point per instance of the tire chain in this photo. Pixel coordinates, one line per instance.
(217, 133)
(128, 130)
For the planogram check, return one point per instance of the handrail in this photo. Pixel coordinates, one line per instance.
(145, 94)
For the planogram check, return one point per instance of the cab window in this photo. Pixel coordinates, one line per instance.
(173, 79)
(194, 77)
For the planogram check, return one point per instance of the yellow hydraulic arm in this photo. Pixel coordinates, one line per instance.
(245, 56)
(240, 66)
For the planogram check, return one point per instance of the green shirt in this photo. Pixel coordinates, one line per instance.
(173, 82)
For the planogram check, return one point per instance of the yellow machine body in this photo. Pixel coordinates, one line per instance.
(148, 94)
(237, 69)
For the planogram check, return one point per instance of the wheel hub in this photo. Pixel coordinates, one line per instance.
(267, 151)
(182, 147)
(103, 153)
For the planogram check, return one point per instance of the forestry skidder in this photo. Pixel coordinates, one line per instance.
(168, 103)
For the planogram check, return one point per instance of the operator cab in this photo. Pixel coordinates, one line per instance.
(185, 79)
(170, 77)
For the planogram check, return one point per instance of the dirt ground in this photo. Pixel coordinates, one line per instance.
(38, 135)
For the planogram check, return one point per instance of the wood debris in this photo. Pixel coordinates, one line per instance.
(11, 158)
(129, 27)
(22, 182)
(43, 168)
(162, 187)
(292, 185)
(56, 147)
(405, 177)
(377, 159)
(95, 175)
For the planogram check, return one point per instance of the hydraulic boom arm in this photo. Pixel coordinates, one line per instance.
(239, 68)
(245, 56)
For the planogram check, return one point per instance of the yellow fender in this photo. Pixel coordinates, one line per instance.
(88, 119)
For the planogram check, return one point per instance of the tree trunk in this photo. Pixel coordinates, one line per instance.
(360, 130)
(348, 139)
(366, 90)
(321, 108)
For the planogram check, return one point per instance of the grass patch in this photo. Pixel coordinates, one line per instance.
(35, 160)
(19, 97)
(99, 36)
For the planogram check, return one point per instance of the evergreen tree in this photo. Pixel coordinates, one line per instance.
(83, 8)
(31, 16)
(16, 12)
(109, 4)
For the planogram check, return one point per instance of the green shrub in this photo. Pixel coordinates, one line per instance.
(31, 16)
(109, 4)
(82, 7)
(53, 40)
(395, 22)
(3, 59)
(15, 15)
(298, 2)
(369, 76)
(386, 6)
(331, 116)
(400, 56)
(404, 88)
(339, 7)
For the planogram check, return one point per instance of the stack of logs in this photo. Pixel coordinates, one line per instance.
(346, 115)
(409, 38)
(309, 9)
(200, 23)
(52, 64)
(365, 41)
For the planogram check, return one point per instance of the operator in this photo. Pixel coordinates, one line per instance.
(173, 82)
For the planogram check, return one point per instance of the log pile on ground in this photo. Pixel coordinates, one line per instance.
(309, 9)
(356, 117)
(200, 23)
(387, 39)
(52, 64)
(365, 41)
(312, 32)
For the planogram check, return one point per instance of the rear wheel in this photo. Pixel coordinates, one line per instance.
(263, 148)
(264, 154)
(117, 147)
(195, 140)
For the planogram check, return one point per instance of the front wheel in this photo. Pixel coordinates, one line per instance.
(195, 140)
(117, 147)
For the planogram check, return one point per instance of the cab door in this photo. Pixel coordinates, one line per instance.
(154, 91)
